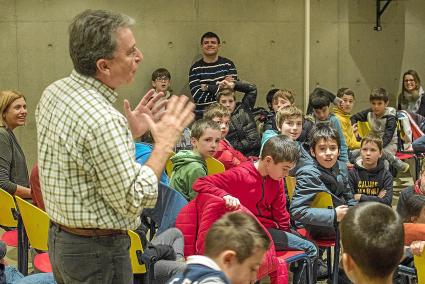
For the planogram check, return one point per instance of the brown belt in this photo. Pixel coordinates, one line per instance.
(90, 232)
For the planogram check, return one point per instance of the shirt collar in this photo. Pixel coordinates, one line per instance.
(93, 83)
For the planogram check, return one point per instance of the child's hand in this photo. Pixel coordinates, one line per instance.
(231, 202)
(355, 129)
(417, 247)
(357, 196)
(340, 212)
(350, 166)
(382, 193)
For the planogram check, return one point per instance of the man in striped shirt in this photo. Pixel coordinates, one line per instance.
(206, 73)
(93, 189)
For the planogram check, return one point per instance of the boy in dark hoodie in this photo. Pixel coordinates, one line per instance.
(258, 186)
(325, 145)
(243, 134)
(234, 248)
(189, 165)
(369, 180)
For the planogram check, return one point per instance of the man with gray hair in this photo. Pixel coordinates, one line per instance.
(93, 189)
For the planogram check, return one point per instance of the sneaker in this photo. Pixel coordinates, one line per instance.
(401, 166)
(322, 269)
(405, 167)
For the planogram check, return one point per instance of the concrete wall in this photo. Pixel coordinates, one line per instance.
(264, 38)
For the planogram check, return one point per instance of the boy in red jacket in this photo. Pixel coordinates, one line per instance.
(258, 186)
(229, 156)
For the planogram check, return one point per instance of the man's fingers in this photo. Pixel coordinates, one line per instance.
(176, 105)
(147, 98)
(158, 107)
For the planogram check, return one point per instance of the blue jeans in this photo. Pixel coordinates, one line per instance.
(287, 241)
(13, 276)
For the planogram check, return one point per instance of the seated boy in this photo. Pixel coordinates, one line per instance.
(284, 98)
(258, 186)
(325, 145)
(369, 180)
(229, 156)
(321, 112)
(234, 248)
(188, 165)
(372, 243)
(417, 189)
(382, 121)
(243, 134)
(343, 113)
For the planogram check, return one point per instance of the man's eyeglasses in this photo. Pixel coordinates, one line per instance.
(163, 78)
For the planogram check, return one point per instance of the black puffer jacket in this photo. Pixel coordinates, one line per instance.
(243, 134)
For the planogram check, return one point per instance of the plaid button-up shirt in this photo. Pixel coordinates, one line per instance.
(89, 177)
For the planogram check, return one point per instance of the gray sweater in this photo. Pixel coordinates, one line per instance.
(13, 167)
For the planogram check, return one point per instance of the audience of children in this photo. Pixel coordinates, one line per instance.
(234, 248)
(229, 156)
(258, 186)
(382, 122)
(369, 180)
(188, 165)
(372, 243)
(243, 134)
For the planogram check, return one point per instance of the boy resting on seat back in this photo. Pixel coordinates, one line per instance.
(234, 248)
(372, 243)
(229, 156)
(417, 189)
(369, 180)
(258, 186)
(243, 134)
(382, 121)
(188, 165)
(343, 114)
(324, 148)
(321, 112)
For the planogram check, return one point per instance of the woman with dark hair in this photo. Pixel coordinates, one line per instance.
(13, 167)
(411, 96)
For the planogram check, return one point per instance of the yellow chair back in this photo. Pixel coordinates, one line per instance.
(363, 128)
(36, 223)
(7, 206)
(136, 246)
(214, 166)
(322, 200)
(420, 267)
(169, 165)
(290, 186)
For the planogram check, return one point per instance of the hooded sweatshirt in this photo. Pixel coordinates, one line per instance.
(187, 167)
(263, 196)
(369, 183)
(347, 128)
(229, 156)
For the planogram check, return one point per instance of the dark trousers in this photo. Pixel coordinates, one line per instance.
(77, 259)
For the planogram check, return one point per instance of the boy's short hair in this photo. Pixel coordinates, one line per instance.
(289, 112)
(379, 94)
(414, 206)
(269, 97)
(324, 131)
(284, 94)
(210, 35)
(372, 234)
(225, 92)
(160, 72)
(317, 101)
(281, 148)
(345, 91)
(236, 231)
(216, 110)
(372, 138)
(199, 126)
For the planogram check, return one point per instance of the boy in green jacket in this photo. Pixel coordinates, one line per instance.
(189, 165)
